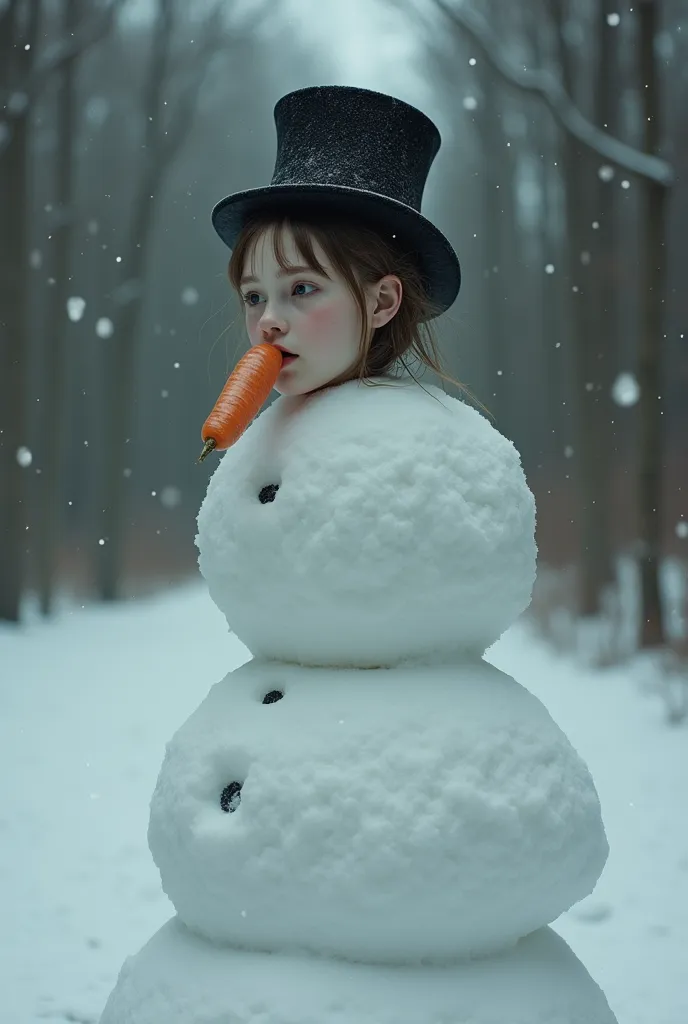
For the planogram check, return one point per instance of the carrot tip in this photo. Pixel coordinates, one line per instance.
(208, 447)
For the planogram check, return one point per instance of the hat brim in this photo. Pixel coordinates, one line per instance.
(410, 230)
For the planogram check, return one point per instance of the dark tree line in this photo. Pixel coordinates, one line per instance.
(560, 182)
(100, 112)
(27, 69)
(553, 83)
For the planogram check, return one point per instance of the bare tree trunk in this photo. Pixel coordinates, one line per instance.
(585, 204)
(587, 348)
(120, 372)
(51, 515)
(494, 271)
(651, 342)
(554, 333)
(597, 350)
(165, 128)
(25, 68)
(17, 49)
(552, 293)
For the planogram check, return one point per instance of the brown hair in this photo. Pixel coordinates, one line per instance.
(362, 257)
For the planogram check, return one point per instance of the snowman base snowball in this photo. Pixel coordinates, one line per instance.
(180, 978)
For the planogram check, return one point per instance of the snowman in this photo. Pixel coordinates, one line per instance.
(367, 823)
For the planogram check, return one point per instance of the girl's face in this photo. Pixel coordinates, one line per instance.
(313, 316)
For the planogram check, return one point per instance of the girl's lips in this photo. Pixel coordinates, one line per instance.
(286, 359)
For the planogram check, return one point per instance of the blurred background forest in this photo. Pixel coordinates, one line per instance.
(561, 184)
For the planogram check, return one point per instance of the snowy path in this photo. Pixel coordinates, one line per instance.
(87, 703)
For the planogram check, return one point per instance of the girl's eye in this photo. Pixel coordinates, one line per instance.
(301, 284)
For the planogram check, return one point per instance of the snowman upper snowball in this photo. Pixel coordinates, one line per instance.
(366, 525)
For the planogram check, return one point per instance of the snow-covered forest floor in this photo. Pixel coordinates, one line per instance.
(87, 702)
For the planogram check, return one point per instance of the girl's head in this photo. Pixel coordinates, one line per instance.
(340, 297)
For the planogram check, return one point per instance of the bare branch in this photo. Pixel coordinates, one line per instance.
(549, 89)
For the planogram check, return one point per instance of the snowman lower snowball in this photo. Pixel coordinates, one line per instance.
(367, 823)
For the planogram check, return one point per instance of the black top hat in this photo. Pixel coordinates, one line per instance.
(361, 153)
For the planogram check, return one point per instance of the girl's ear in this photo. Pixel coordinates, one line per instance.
(388, 295)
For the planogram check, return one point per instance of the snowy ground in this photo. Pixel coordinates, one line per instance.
(87, 703)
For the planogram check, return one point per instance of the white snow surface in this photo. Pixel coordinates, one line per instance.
(403, 527)
(417, 813)
(88, 701)
(178, 978)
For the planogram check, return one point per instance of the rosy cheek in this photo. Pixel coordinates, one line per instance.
(324, 318)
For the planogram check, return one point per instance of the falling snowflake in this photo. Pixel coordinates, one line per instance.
(549, 268)
(613, 20)
(97, 110)
(625, 390)
(104, 327)
(469, 103)
(75, 308)
(17, 102)
(36, 259)
(606, 173)
(189, 296)
(170, 497)
(664, 44)
(568, 452)
(24, 457)
(682, 529)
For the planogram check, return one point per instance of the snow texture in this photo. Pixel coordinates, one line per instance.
(403, 528)
(367, 802)
(177, 978)
(411, 814)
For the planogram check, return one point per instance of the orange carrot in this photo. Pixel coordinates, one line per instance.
(248, 387)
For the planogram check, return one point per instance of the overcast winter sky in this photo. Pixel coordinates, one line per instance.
(373, 42)
(369, 43)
